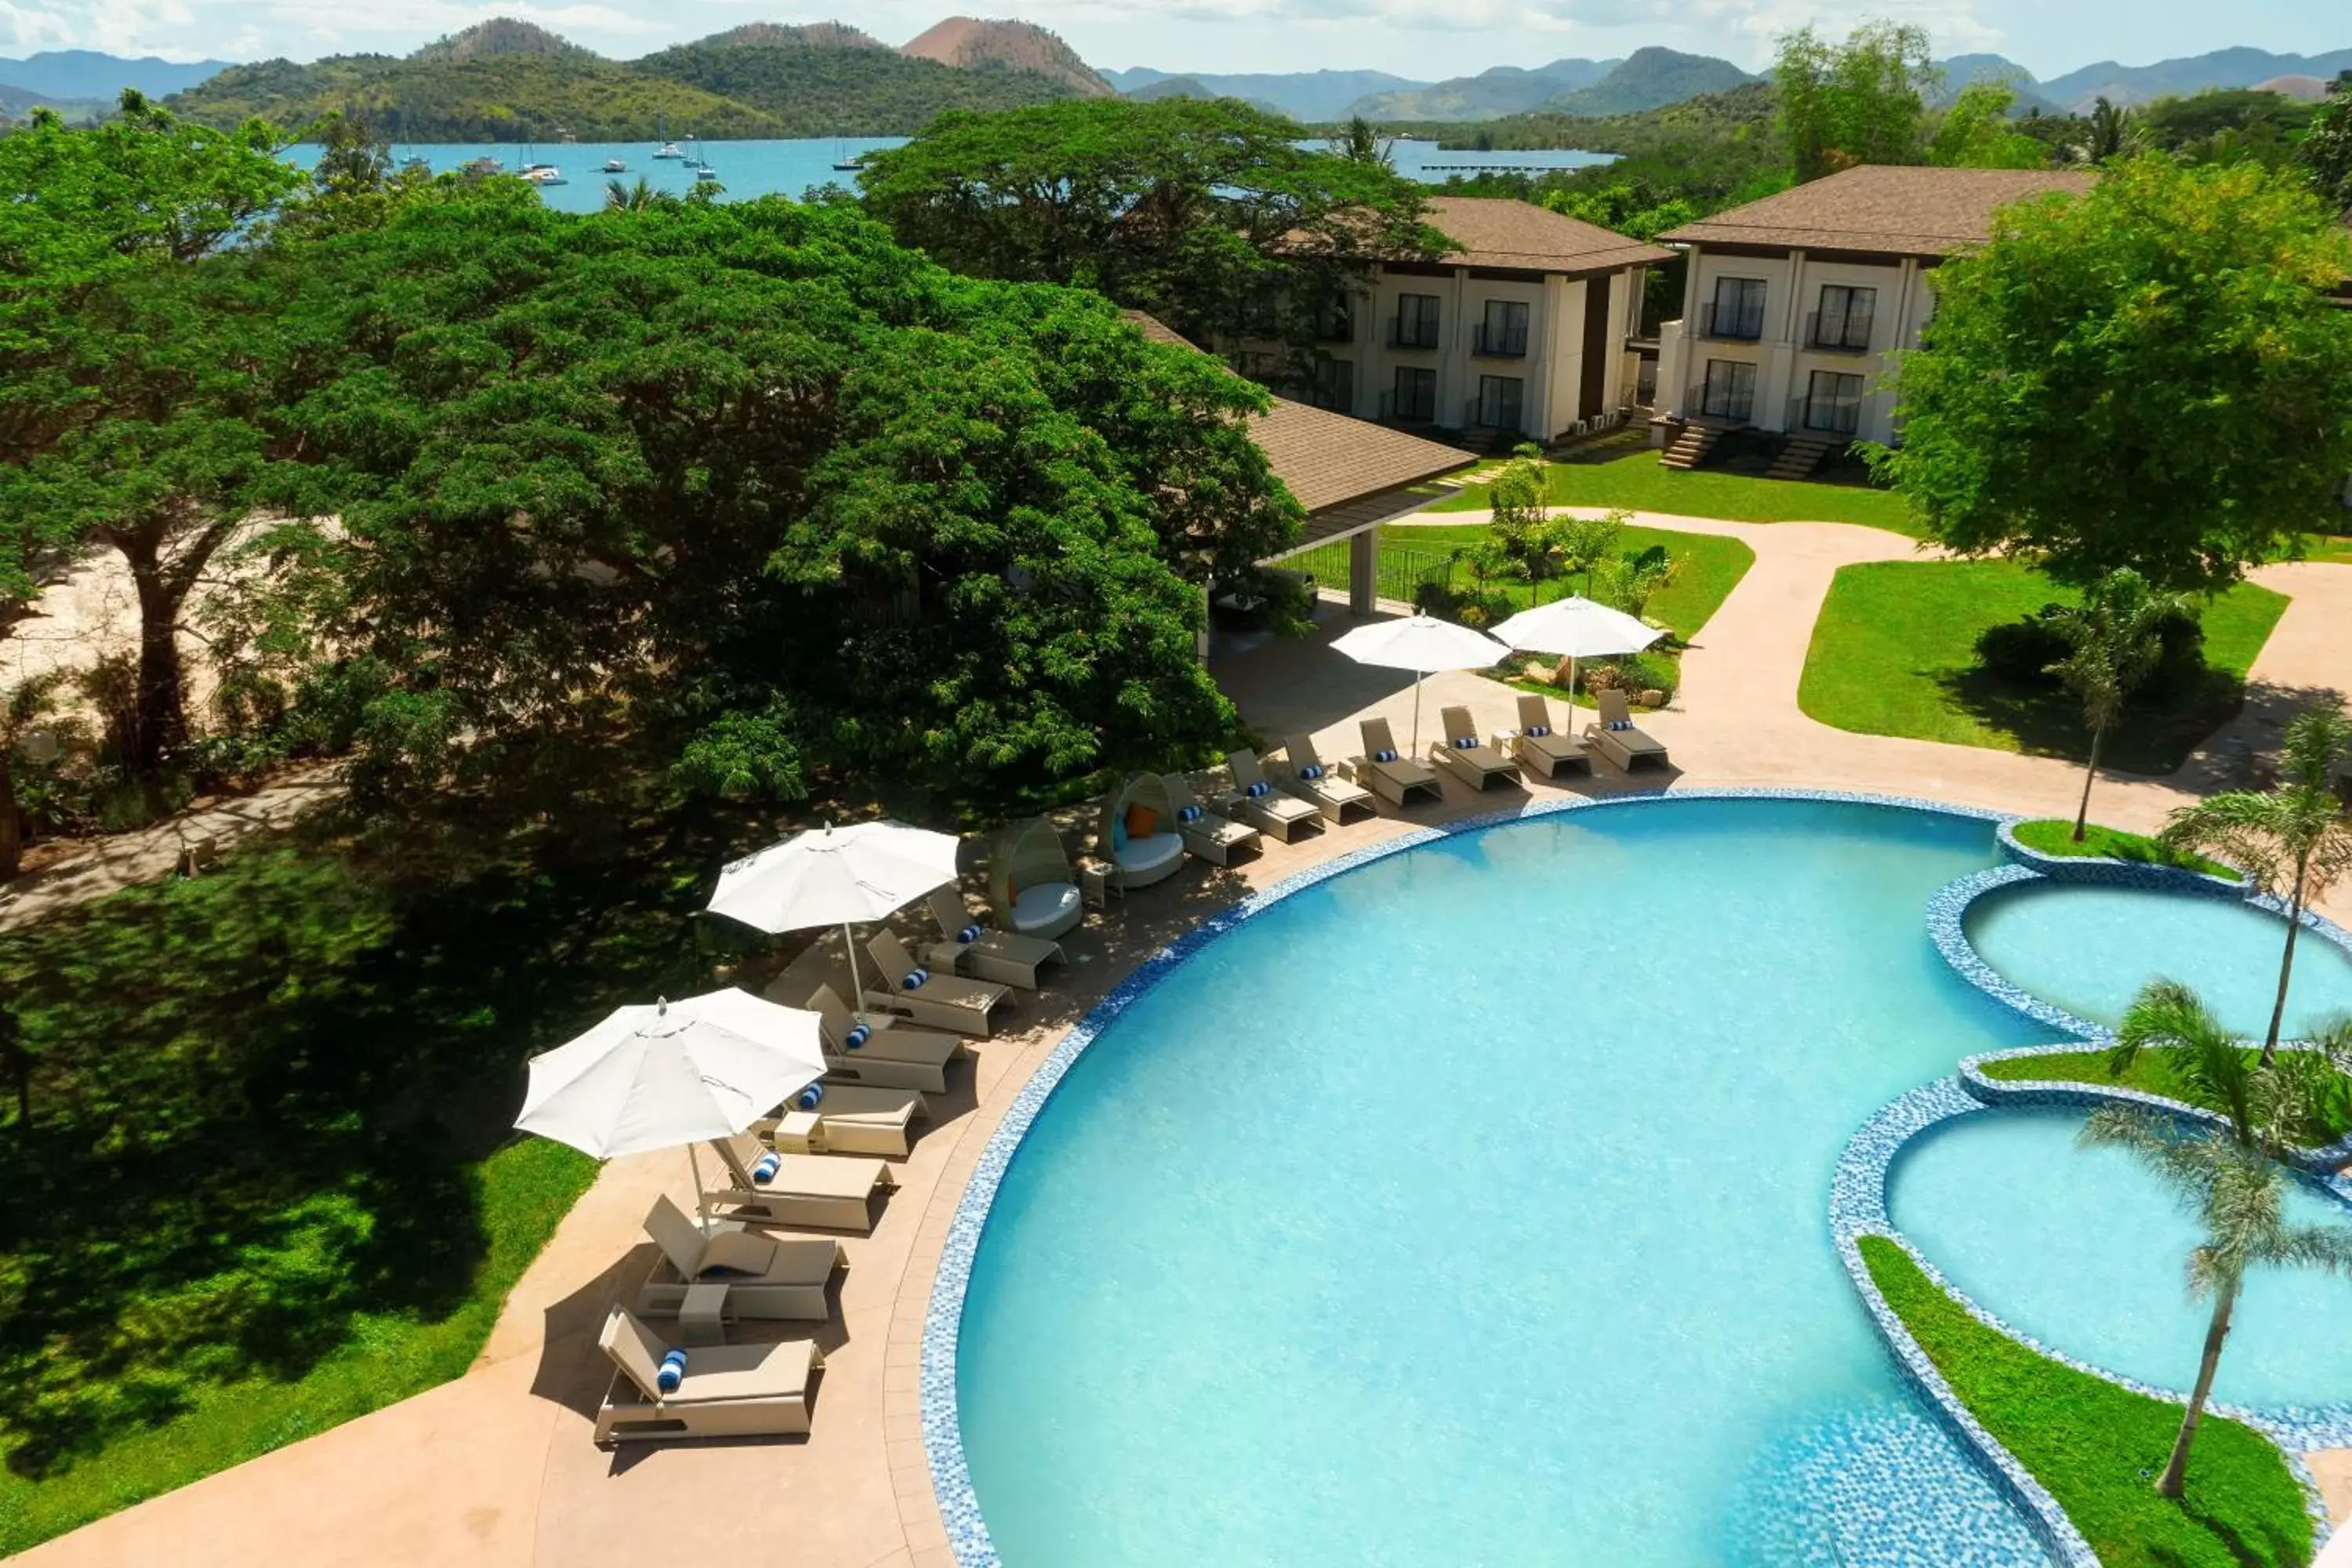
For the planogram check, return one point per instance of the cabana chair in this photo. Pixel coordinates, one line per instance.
(936, 1001)
(1216, 839)
(890, 1055)
(728, 1391)
(765, 1275)
(1466, 756)
(1304, 774)
(1538, 746)
(1395, 777)
(818, 1192)
(1135, 832)
(1255, 801)
(1619, 738)
(847, 1119)
(970, 948)
(1030, 881)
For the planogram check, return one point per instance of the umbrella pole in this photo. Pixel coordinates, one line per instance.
(1572, 695)
(856, 988)
(1416, 715)
(701, 1202)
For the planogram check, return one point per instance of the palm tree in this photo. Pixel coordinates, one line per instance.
(637, 198)
(2113, 132)
(2116, 636)
(2238, 1196)
(2271, 1106)
(2293, 839)
(1358, 144)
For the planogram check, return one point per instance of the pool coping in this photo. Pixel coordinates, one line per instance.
(959, 1503)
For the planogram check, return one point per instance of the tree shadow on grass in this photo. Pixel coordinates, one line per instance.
(2155, 737)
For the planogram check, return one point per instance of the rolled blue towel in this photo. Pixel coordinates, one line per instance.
(969, 935)
(914, 980)
(1621, 723)
(809, 1097)
(1188, 814)
(672, 1371)
(1259, 788)
(766, 1167)
(859, 1035)
(1311, 771)
(1538, 732)
(1385, 754)
(1466, 743)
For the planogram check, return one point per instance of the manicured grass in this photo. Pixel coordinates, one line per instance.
(1636, 481)
(1894, 654)
(1711, 567)
(2099, 1448)
(2055, 836)
(522, 1192)
(2149, 1073)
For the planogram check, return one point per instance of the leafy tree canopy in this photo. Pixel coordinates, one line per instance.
(2325, 151)
(2145, 375)
(1861, 102)
(1205, 214)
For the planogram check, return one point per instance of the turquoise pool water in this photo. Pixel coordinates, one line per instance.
(1470, 1207)
(2089, 950)
(1994, 1199)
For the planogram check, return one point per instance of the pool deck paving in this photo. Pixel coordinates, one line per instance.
(497, 1467)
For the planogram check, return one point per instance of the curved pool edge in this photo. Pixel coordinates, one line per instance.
(1948, 913)
(959, 1503)
(1858, 1208)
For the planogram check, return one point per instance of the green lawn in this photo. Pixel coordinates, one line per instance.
(2099, 1447)
(2055, 836)
(1635, 478)
(1711, 567)
(2149, 1073)
(1894, 654)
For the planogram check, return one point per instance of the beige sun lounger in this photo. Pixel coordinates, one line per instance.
(1476, 763)
(729, 1391)
(821, 1191)
(850, 1118)
(1538, 746)
(895, 1055)
(1394, 777)
(1216, 839)
(997, 955)
(1326, 791)
(1266, 808)
(1629, 748)
(765, 1275)
(937, 1001)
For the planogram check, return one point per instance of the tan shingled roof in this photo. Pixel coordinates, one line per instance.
(1496, 231)
(1329, 459)
(1883, 209)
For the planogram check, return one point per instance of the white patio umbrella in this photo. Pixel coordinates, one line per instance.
(675, 1072)
(1420, 644)
(1578, 629)
(832, 876)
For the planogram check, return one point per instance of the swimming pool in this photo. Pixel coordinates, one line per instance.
(2089, 950)
(1993, 1198)
(1469, 1207)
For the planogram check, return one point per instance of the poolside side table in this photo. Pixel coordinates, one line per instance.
(702, 1317)
(798, 1133)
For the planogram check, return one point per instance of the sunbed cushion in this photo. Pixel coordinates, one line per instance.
(1042, 905)
(779, 1370)
(737, 1252)
(1150, 854)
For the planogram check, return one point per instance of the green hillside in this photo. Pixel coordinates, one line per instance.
(1742, 115)
(503, 98)
(1651, 78)
(840, 91)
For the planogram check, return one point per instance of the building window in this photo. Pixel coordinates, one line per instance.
(1336, 322)
(1845, 318)
(1500, 398)
(1731, 391)
(1334, 384)
(1834, 403)
(1415, 395)
(1504, 333)
(1738, 312)
(1416, 321)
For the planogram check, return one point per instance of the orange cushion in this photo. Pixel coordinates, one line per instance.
(1140, 820)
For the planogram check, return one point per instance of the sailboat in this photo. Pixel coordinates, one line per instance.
(847, 165)
(667, 149)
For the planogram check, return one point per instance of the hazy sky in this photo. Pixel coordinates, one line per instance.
(1424, 38)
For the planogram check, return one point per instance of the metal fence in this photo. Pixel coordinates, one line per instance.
(1400, 573)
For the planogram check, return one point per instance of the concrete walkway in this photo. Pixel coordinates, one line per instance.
(496, 1468)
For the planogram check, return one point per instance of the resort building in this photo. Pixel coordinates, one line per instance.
(1791, 305)
(1521, 329)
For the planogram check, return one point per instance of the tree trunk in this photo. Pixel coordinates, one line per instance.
(2176, 1469)
(159, 716)
(2286, 962)
(2090, 774)
(12, 831)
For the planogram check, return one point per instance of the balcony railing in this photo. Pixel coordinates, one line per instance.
(1727, 407)
(1413, 334)
(1738, 326)
(1810, 416)
(1842, 334)
(1499, 343)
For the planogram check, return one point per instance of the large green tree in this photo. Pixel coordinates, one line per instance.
(1206, 214)
(1859, 101)
(2325, 151)
(2145, 375)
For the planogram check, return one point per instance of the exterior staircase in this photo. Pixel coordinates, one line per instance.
(1802, 455)
(1690, 448)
